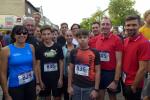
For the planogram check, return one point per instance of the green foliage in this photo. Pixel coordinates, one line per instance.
(86, 22)
(119, 9)
(97, 15)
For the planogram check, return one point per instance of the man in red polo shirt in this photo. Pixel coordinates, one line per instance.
(110, 49)
(136, 55)
(96, 32)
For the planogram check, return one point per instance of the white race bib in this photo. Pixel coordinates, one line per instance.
(104, 56)
(50, 67)
(124, 77)
(25, 78)
(82, 70)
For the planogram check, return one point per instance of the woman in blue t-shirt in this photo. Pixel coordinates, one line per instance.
(18, 71)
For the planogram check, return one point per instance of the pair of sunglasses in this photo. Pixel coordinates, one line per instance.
(24, 32)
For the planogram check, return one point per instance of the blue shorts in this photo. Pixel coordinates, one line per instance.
(106, 78)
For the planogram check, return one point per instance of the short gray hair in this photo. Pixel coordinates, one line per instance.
(25, 19)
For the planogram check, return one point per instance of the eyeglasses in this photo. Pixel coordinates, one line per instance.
(75, 28)
(24, 33)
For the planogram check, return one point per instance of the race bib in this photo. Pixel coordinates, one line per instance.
(104, 56)
(82, 70)
(25, 78)
(50, 67)
(124, 77)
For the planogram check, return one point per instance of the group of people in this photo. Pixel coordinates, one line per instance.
(76, 64)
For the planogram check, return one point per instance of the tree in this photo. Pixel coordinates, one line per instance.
(86, 22)
(119, 9)
(97, 16)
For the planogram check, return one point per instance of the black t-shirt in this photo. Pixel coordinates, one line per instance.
(49, 58)
(32, 40)
(61, 41)
(84, 62)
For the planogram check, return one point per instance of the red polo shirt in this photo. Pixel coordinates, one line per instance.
(107, 48)
(135, 49)
(92, 41)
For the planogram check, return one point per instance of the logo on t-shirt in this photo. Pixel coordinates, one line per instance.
(50, 53)
(17, 54)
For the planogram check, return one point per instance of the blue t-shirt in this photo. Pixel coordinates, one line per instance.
(20, 65)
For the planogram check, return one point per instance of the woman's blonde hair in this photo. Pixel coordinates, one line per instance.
(146, 14)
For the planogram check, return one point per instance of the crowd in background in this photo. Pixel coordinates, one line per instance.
(38, 62)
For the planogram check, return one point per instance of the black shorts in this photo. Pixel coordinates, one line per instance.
(106, 78)
(24, 92)
(50, 85)
(129, 95)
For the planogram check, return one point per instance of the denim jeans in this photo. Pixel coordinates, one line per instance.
(81, 93)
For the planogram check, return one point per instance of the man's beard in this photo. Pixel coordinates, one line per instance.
(132, 32)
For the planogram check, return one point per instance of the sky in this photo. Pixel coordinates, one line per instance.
(73, 11)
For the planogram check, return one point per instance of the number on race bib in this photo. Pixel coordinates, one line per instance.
(25, 78)
(50, 67)
(104, 56)
(82, 70)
